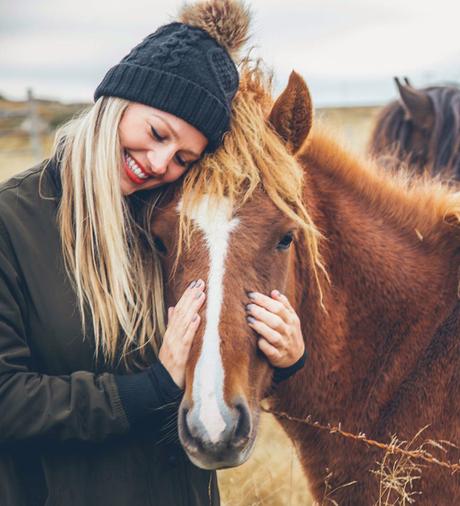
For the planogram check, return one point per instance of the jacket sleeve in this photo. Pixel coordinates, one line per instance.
(283, 373)
(79, 406)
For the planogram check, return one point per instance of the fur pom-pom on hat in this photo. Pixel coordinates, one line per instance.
(226, 21)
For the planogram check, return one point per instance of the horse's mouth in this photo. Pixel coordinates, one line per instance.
(231, 449)
(224, 458)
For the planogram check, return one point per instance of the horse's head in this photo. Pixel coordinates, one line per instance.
(236, 248)
(421, 129)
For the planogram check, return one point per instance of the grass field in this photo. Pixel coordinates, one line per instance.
(272, 476)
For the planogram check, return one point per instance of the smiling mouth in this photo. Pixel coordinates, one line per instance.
(134, 170)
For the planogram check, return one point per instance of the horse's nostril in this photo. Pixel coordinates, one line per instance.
(243, 426)
(185, 430)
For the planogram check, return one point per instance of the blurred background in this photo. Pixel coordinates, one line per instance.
(53, 53)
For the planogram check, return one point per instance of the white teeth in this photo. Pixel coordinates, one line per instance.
(135, 168)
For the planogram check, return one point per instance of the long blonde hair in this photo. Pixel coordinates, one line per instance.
(113, 265)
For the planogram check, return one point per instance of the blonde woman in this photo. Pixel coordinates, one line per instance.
(90, 373)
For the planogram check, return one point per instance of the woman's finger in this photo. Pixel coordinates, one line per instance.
(191, 329)
(269, 350)
(189, 304)
(272, 305)
(272, 336)
(189, 294)
(272, 320)
(283, 299)
(190, 311)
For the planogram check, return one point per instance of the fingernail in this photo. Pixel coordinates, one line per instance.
(252, 295)
(250, 319)
(199, 283)
(249, 307)
(192, 284)
(276, 293)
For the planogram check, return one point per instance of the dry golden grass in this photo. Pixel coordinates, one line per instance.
(12, 164)
(271, 477)
(397, 476)
(352, 124)
(16, 154)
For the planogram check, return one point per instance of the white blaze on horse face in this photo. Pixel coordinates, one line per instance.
(214, 220)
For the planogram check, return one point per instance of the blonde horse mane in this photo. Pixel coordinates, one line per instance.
(251, 156)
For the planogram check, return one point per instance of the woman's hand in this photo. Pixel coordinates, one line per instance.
(183, 322)
(278, 325)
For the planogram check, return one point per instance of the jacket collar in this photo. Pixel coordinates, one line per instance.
(52, 170)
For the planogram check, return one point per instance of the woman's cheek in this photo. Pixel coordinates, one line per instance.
(174, 174)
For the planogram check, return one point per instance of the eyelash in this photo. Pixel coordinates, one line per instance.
(156, 135)
(181, 162)
(178, 159)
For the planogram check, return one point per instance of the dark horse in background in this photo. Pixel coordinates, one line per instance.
(420, 129)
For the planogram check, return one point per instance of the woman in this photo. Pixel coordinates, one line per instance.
(89, 375)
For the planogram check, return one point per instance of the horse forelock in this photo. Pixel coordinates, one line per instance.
(252, 157)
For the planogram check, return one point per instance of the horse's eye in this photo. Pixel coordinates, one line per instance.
(285, 241)
(160, 245)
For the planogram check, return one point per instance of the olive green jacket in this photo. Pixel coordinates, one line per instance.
(65, 438)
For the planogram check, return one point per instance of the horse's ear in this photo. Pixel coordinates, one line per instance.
(417, 105)
(292, 113)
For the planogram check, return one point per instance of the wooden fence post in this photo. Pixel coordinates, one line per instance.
(35, 139)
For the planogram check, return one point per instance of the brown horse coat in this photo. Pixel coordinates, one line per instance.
(381, 327)
(385, 358)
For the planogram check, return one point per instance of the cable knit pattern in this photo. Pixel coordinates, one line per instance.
(223, 71)
(182, 70)
(169, 50)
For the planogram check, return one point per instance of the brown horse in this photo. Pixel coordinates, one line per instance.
(421, 129)
(380, 318)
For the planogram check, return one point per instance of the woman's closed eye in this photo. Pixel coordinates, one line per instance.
(177, 158)
(156, 135)
(184, 163)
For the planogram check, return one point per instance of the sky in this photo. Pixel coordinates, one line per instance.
(347, 50)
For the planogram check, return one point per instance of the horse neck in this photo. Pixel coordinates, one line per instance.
(388, 292)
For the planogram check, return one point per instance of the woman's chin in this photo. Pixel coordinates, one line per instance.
(127, 188)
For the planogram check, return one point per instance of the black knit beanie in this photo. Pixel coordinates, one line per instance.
(183, 70)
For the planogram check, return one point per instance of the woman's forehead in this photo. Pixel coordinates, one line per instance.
(178, 128)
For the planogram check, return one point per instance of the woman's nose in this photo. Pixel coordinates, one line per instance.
(159, 161)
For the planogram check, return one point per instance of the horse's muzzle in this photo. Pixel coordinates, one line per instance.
(208, 449)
